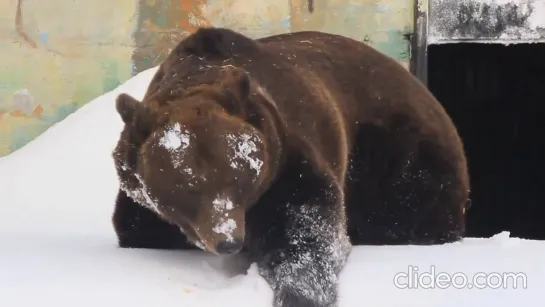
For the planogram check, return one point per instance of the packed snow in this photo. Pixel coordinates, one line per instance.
(58, 247)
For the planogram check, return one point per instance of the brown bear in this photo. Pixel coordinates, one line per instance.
(289, 148)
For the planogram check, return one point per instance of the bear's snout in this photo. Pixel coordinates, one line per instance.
(229, 247)
(222, 232)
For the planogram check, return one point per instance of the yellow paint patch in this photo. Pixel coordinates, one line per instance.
(253, 18)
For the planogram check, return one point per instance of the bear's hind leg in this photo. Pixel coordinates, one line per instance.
(139, 227)
(439, 195)
(404, 191)
(299, 240)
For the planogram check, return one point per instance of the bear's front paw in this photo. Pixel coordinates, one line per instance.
(291, 297)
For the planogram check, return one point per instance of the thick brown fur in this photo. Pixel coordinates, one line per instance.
(352, 147)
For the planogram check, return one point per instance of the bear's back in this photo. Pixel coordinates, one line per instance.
(315, 79)
(304, 67)
(326, 86)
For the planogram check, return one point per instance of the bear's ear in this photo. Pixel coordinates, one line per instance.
(134, 112)
(127, 107)
(237, 85)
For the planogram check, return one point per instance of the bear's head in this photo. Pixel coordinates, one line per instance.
(194, 159)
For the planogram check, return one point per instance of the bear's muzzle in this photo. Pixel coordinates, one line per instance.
(223, 233)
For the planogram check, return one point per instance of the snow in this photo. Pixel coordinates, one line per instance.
(174, 138)
(59, 249)
(243, 145)
(226, 227)
(222, 204)
(176, 141)
(142, 195)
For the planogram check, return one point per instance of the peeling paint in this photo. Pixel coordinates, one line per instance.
(53, 64)
(383, 24)
(494, 21)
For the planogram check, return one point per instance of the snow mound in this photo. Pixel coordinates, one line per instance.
(59, 249)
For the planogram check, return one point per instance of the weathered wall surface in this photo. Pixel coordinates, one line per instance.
(383, 24)
(499, 21)
(58, 54)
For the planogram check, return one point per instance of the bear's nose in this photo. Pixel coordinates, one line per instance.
(229, 247)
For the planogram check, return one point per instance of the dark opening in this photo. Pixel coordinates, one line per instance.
(496, 96)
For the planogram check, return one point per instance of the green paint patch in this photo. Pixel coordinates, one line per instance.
(63, 111)
(10, 82)
(84, 94)
(161, 21)
(22, 135)
(111, 80)
(147, 62)
(59, 113)
(396, 45)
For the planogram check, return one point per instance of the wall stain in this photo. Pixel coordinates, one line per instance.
(310, 6)
(480, 20)
(21, 32)
(484, 20)
(19, 26)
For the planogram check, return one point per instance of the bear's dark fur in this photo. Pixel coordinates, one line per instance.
(343, 145)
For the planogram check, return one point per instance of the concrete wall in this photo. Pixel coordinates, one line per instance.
(58, 54)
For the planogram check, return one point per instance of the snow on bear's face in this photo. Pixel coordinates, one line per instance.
(200, 169)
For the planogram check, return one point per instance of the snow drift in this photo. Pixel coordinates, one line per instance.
(58, 247)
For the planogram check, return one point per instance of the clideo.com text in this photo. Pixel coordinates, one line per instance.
(415, 278)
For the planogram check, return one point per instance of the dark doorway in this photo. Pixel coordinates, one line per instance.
(496, 97)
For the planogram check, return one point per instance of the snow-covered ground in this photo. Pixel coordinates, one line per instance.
(57, 246)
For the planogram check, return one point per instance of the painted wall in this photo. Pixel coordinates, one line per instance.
(57, 54)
